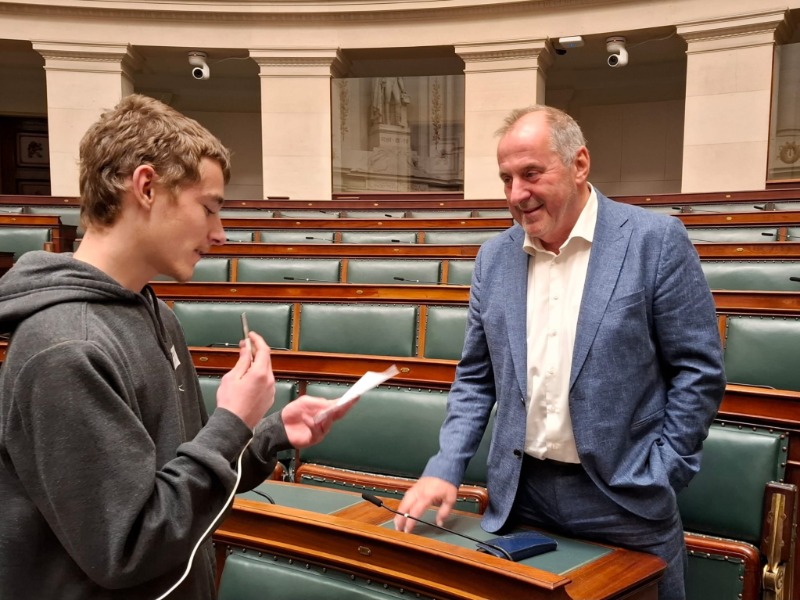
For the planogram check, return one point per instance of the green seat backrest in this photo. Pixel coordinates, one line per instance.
(767, 275)
(461, 236)
(295, 236)
(793, 234)
(309, 214)
(711, 576)
(719, 207)
(249, 576)
(374, 214)
(380, 329)
(732, 235)
(726, 497)
(789, 205)
(762, 351)
(392, 430)
(379, 237)
(70, 215)
(212, 269)
(20, 240)
(285, 392)
(278, 269)
(440, 214)
(459, 272)
(245, 213)
(15, 210)
(501, 213)
(220, 323)
(445, 327)
(362, 270)
(240, 235)
(206, 269)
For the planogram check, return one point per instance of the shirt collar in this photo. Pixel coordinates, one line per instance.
(583, 228)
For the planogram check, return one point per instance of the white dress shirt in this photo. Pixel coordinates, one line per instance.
(555, 289)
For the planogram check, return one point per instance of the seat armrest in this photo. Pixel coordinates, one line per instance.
(778, 539)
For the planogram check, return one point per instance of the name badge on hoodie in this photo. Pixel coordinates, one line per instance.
(176, 362)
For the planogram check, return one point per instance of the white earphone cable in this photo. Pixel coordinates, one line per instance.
(213, 523)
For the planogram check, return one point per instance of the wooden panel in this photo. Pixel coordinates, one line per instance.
(350, 539)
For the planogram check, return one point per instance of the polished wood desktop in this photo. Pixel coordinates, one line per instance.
(340, 530)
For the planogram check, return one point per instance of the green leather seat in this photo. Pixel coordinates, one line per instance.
(20, 240)
(492, 213)
(725, 500)
(245, 213)
(70, 215)
(417, 272)
(374, 214)
(379, 237)
(295, 236)
(767, 275)
(285, 392)
(732, 235)
(445, 327)
(461, 236)
(240, 235)
(440, 214)
(392, 431)
(248, 576)
(220, 323)
(379, 329)
(459, 272)
(264, 270)
(726, 497)
(762, 351)
(206, 269)
(308, 214)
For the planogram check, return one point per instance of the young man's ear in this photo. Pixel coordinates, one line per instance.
(142, 184)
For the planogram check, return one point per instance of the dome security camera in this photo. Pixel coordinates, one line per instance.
(618, 54)
(199, 65)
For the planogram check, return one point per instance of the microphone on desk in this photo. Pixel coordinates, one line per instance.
(401, 242)
(379, 503)
(794, 278)
(691, 209)
(311, 237)
(287, 278)
(416, 281)
(767, 206)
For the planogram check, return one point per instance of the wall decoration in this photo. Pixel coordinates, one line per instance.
(33, 150)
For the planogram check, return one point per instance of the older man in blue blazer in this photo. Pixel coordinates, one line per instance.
(592, 330)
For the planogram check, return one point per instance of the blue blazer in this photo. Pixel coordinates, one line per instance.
(647, 371)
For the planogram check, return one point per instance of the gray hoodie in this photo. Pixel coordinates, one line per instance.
(110, 468)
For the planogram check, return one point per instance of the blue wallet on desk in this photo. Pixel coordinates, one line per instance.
(519, 545)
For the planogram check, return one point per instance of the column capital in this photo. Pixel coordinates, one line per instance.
(508, 55)
(298, 62)
(725, 33)
(101, 58)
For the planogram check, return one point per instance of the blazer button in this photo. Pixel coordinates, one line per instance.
(518, 453)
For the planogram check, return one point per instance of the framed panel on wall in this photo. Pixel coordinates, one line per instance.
(33, 150)
(33, 188)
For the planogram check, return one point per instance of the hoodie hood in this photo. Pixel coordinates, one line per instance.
(39, 280)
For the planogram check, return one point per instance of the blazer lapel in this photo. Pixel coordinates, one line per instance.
(605, 263)
(516, 276)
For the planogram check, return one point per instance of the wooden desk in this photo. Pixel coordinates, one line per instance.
(339, 530)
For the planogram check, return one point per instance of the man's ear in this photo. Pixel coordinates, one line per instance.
(582, 163)
(142, 185)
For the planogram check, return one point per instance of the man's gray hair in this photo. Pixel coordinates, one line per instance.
(566, 137)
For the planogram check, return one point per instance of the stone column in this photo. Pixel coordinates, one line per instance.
(499, 77)
(296, 120)
(728, 89)
(83, 80)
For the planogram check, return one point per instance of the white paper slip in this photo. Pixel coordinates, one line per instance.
(368, 380)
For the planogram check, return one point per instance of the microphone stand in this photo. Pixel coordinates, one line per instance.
(379, 503)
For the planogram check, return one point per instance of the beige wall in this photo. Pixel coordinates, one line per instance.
(636, 135)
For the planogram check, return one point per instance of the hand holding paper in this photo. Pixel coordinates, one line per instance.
(368, 380)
